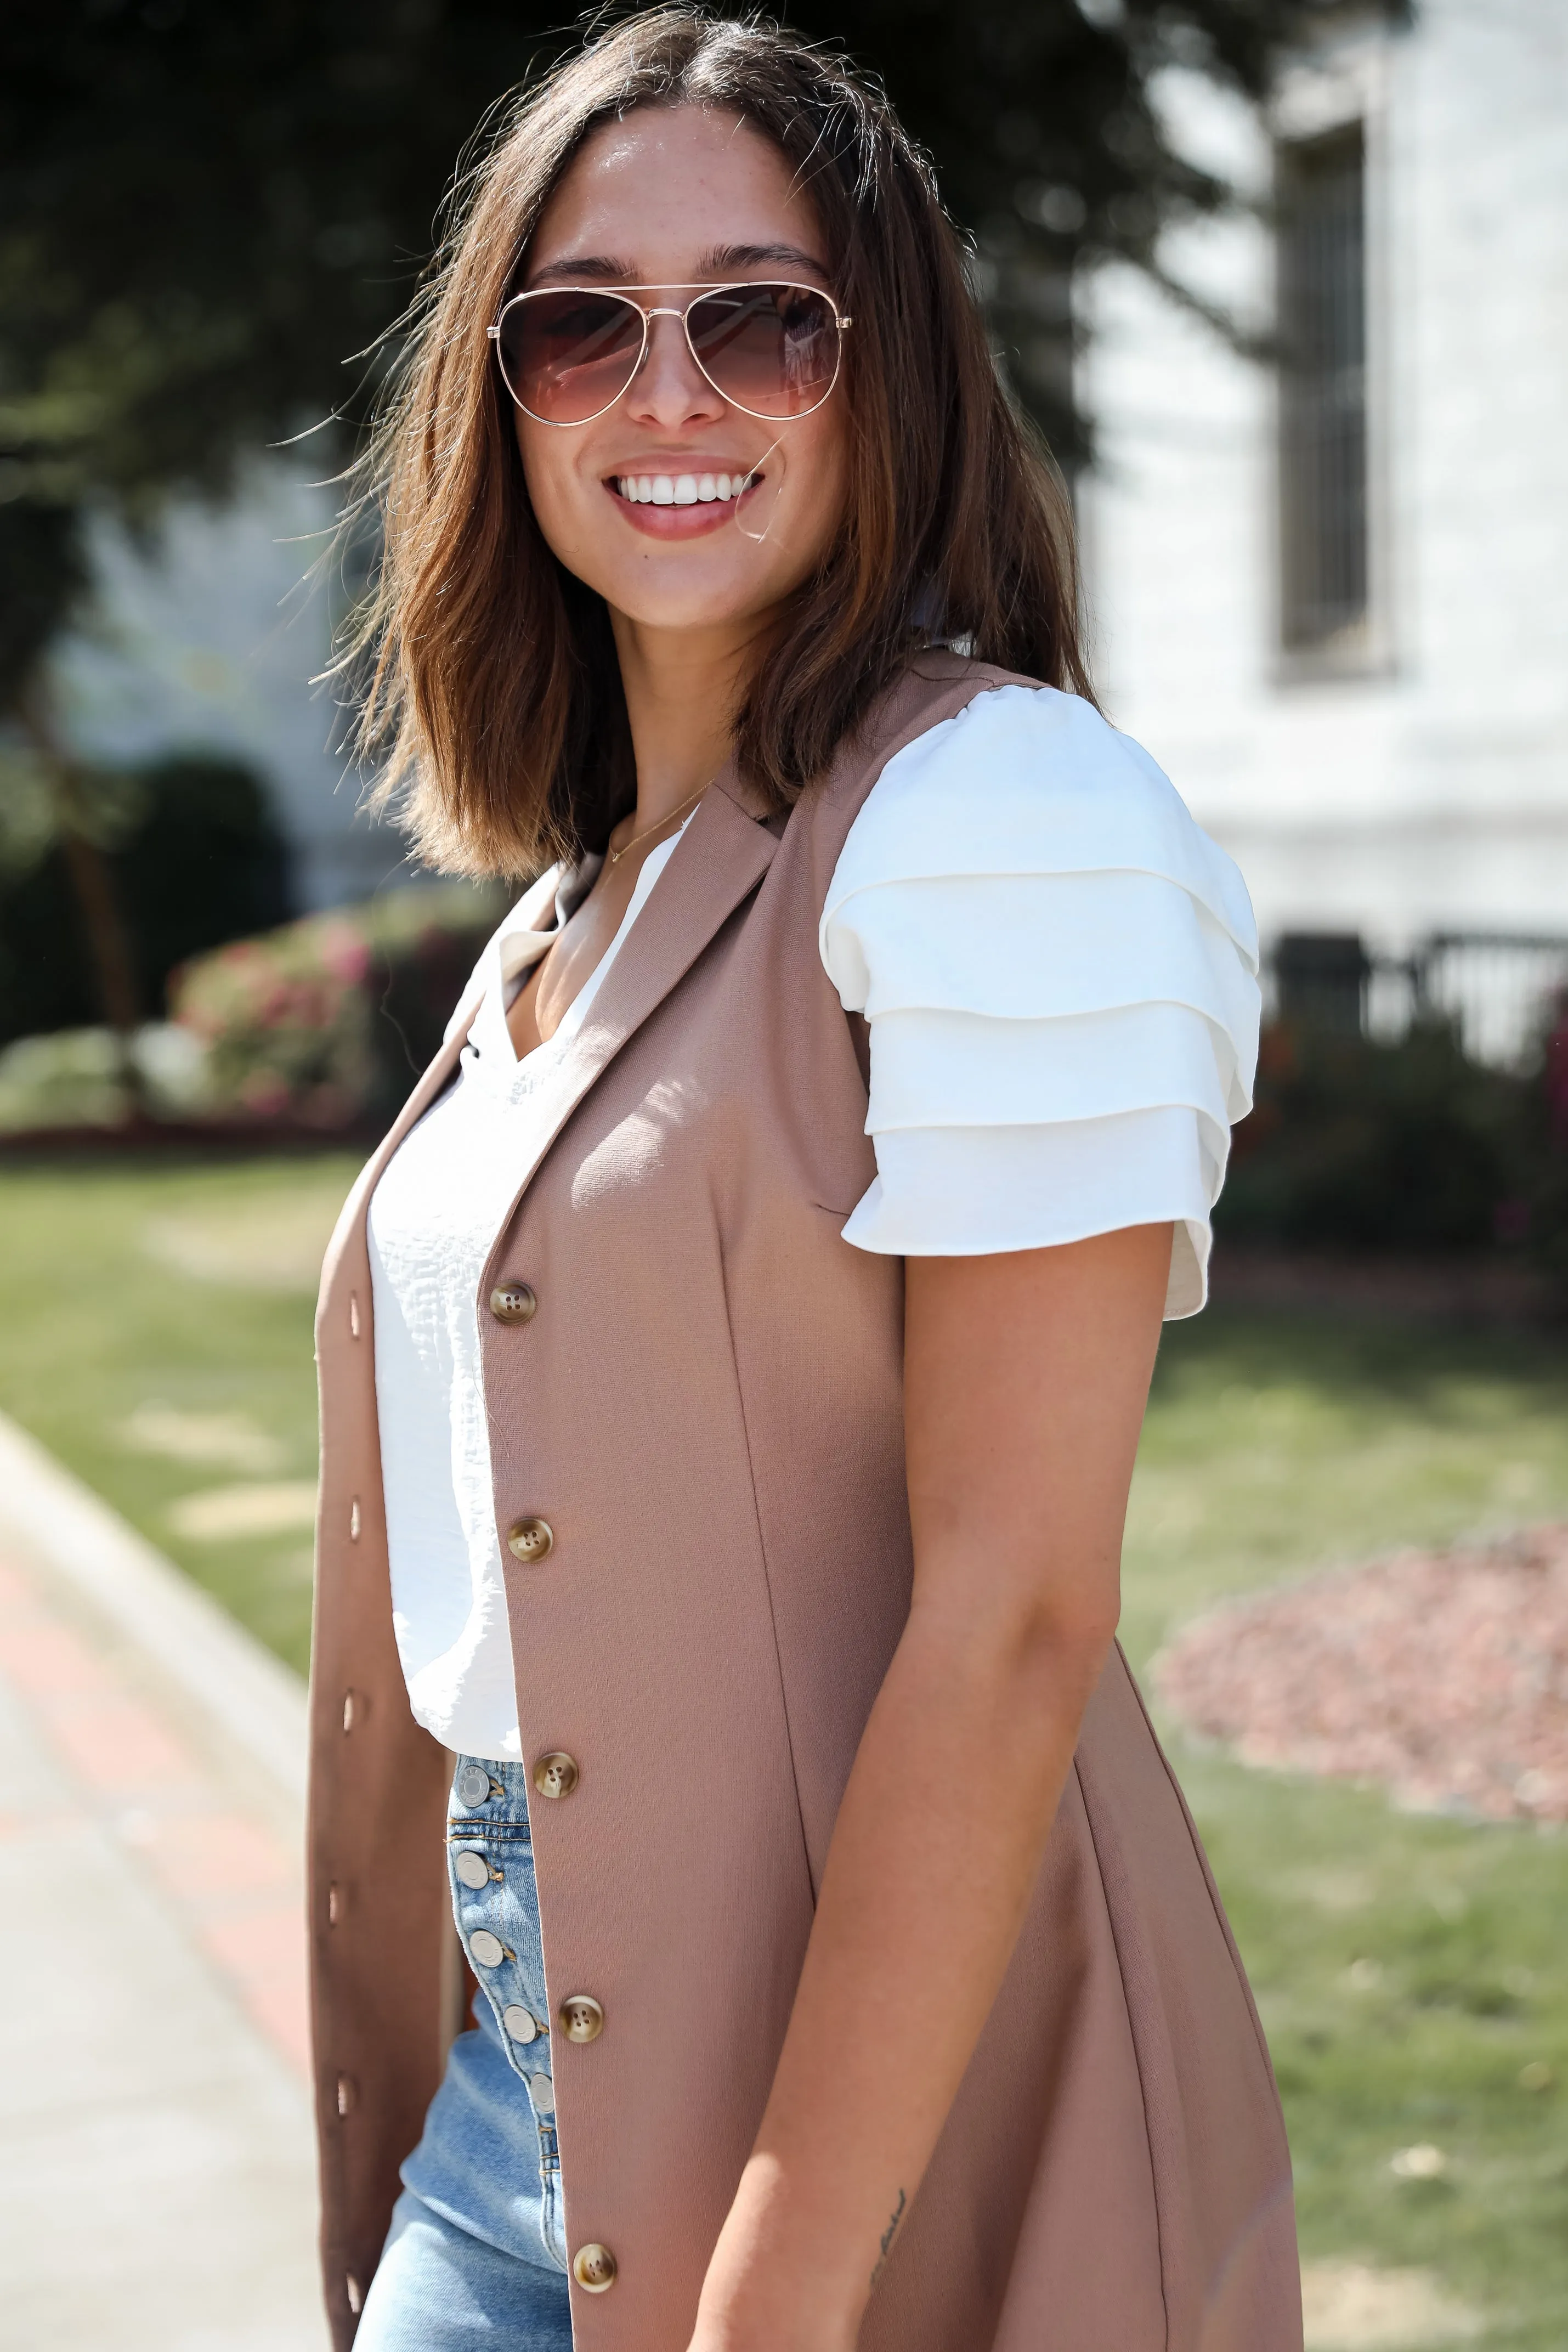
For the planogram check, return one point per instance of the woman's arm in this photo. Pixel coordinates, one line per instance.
(1026, 1377)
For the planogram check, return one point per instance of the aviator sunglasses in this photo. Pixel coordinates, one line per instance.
(568, 353)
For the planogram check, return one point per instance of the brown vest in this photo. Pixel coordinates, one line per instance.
(707, 1410)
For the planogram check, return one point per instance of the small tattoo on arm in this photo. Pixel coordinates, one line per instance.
(888, 2235)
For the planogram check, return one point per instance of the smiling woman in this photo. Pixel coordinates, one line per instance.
(732, 1362)
(496, 698)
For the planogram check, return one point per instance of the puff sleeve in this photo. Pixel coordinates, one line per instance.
(1060, 972)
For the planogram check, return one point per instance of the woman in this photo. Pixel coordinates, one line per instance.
(728, 1476)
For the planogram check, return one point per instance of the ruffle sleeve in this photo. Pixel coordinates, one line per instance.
(1060, 972)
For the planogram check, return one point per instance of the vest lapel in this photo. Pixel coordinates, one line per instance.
(722, 857)
(723, 854)
(349, 1235)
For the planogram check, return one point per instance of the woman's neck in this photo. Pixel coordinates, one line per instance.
(681, 689)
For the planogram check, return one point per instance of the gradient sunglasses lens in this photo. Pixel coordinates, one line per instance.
(770, 350)
(568, 357)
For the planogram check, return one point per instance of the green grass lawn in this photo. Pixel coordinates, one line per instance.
(155, 1332)
(142, 1302)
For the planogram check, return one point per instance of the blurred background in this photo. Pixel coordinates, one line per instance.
(1284, 284)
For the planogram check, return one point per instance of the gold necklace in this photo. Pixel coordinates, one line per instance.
(614, 856)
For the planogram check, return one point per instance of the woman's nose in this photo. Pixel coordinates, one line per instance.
(669, 388)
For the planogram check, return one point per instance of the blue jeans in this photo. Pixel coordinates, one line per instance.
(475, 2257)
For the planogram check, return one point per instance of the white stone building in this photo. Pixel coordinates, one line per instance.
(1333, 601)
(208, 639)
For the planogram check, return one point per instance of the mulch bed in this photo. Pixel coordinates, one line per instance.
(1444, 1675)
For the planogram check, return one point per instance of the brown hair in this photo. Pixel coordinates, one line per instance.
(493, 679)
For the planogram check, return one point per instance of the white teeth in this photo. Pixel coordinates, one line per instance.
(681, 489)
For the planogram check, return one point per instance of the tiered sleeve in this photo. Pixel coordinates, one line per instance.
(1060, 974)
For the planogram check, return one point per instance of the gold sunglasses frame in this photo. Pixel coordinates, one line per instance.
(698, 293)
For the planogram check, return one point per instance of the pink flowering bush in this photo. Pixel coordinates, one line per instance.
(325, 1022)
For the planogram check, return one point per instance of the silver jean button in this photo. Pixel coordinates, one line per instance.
(473, 1785)
(473, 1870)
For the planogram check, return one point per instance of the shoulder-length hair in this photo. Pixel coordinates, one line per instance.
(494, 694)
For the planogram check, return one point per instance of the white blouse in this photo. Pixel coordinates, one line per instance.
(1058, 970)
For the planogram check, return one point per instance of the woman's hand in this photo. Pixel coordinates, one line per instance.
(1025, 1382)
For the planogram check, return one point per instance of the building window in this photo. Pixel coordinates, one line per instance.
(1323, 394)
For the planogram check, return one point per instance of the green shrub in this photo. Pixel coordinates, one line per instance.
(196, 856)
(1411, 1146)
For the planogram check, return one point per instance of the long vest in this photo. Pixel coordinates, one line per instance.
(707, 1410)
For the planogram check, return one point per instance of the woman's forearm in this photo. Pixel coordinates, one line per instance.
(935, 1855)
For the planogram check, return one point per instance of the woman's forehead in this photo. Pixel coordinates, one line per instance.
(665, 194)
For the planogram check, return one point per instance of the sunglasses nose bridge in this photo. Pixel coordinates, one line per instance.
(656, 356)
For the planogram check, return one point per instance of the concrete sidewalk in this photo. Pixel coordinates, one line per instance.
(157, 2189)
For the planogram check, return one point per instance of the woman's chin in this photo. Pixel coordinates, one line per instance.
(690, 585)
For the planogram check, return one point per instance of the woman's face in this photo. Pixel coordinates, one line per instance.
(676, 197)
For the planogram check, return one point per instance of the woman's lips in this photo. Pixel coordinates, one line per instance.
(693, 522)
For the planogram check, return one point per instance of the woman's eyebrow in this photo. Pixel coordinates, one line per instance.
(722, 257)
(579, 268)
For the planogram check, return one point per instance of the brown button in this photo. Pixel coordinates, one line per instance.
(582, 2017)
(531, 1539)
(554, 1775)
(593, 2268)
(513, 1302)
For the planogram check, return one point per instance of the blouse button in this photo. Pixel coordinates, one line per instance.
(531, 1539)
(554, 1775)
(513, 1302)
(593, 2268)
